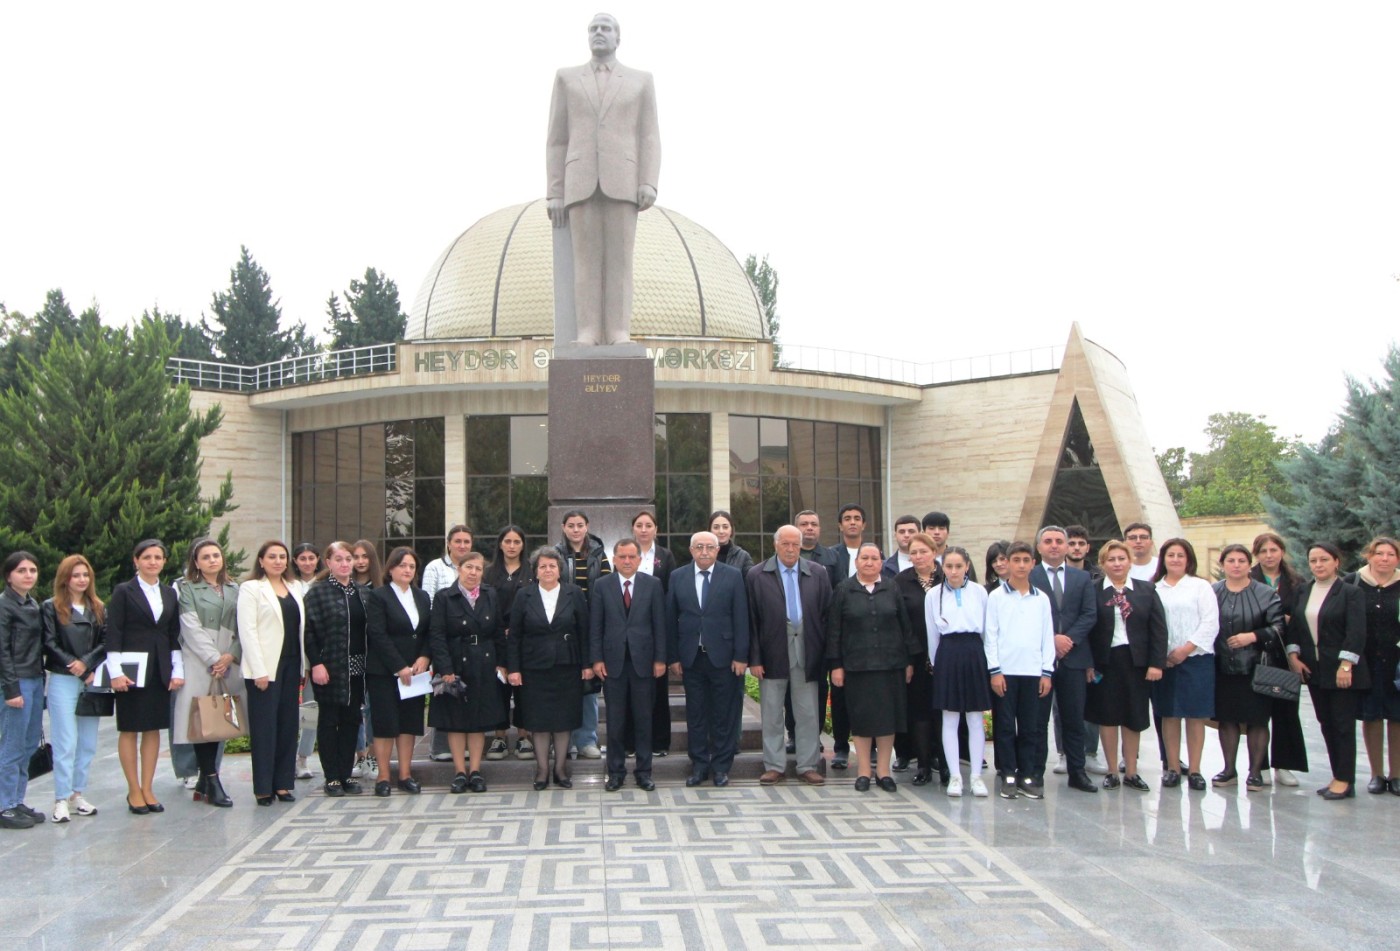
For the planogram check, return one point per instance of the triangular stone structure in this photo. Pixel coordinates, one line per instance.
(1096, 383)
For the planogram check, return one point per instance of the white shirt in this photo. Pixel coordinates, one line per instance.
(410, 606)
(1019, 639)
(1144, 572)
(943, 614)
(1193, 614)
(902, 559)
(153, 598)
(648, 563)
(440, 573)
(851, 561)
(550, 600)
(1120, 629)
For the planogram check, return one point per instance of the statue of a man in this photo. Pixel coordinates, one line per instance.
(603, 157)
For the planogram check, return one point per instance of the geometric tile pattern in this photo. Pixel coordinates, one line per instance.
(742, 867)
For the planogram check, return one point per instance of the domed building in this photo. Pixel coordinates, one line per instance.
(395, 443)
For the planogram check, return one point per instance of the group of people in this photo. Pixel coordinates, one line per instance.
(908, 651)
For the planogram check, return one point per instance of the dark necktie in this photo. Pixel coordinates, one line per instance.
(1057, 587)
(627, 596)
(705, 589)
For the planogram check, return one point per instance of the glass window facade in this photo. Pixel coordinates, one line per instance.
(1079, 495)
(508, 478)
(382, 481)
(779, 467)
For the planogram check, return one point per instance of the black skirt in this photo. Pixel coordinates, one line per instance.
(483, 710)
(390, 716)
(960, 683)
(876, 702)
(1236, 701)
(142, 709)
(550, 700)
(1120, 699)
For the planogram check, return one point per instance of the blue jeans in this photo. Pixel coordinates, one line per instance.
(74, 738)
(587, 735)
(20, 729)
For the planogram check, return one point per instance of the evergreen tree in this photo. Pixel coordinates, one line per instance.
(99, 450)
(765, 281)
(247, 320)
(190, 342)
(374, 314)
(1345, 488)
(28, 337)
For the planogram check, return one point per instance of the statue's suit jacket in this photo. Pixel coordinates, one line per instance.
(613, 144)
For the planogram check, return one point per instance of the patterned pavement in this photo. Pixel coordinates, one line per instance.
(741, 867)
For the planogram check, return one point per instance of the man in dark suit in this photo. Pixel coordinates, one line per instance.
(840, 564)
(788, 598)
(1073, 611)
(707, 613)
(627, 647)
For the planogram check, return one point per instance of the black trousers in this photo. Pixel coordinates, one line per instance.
(713, 701)
(660, 719)
(1336, 714)
(273, 716)
(629, 701)
(337, 731)
(1070, 691)
(1020, 720)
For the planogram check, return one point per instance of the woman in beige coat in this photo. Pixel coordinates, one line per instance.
(209, 644)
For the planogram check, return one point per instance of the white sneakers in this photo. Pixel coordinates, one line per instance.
(81, 806)
(190, 781)
(60, 811)
(1062, 767)
(955, 787)
(591, 751)
(1283, 777)
(1095, 765)
(979, 788)
(303, 770)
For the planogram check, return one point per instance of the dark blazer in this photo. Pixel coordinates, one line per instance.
(663, 563)
(837, 560)
(1147, 626)
(393, 641)
(1341, 626)
(1256, 610)
(1287, 587)
(456, 626)
(869, 630)
(326, 637)
(82, 638)
(506, 586)
(768, 617)
(1078, 615)
(131, 627)
(913, 594)
(21, 641)
(723, 625)
(615, 630)
(537, 643)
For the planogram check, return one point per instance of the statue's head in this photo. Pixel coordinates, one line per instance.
(604, 34)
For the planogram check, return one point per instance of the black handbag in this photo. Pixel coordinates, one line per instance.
(41, 760)
(1277, 683)
(96, 703)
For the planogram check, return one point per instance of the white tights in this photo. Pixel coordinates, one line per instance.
(976, 740)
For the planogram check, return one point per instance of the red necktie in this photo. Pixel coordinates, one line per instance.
(627, 595)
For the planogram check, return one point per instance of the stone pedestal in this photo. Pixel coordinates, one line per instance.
(601, 436)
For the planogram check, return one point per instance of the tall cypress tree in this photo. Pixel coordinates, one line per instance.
(247, 321)
(99, 450)
(1345, 488)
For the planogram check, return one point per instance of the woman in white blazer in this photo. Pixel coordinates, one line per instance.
(271, 623)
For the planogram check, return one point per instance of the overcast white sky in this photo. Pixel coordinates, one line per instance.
(1210, 189)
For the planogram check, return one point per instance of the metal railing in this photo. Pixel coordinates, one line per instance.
(293, 371)
(872, 367)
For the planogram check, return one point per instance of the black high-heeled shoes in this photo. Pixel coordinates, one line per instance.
(140, 810)
(541, 784)
(563, 782)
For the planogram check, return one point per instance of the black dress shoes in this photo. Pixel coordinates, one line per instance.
(475, 782)
(1349, 793)
(696, 778)
(1196, 781)
(1136, 782)
(383, 789)
(335, 789)
(721, 779)
(613, 784)
(838, 761)
(410, 785)
(923, 777)
(1226, 777)
(563, 782)
(1080, 780)
(286, 797)
(1377, 785)
(459, 784)
(214, 794)
(1395, 786)
(887, 783)
(140, 810)
(1171, 779)
(862, 784)
(900, 764)
(645, 784)
(1111, 782)
(351, 787)
(541, 784)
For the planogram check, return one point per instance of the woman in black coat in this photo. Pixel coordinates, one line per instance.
(658, 562)
(545, 657)
(1288, 751)
(135, 627)
(913, 584)
(1131, 614)
(1326, 641)
(508, 571)
(397, 637)
(336, 643)
(1251, 630)
(871, 648)
(466, 640)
